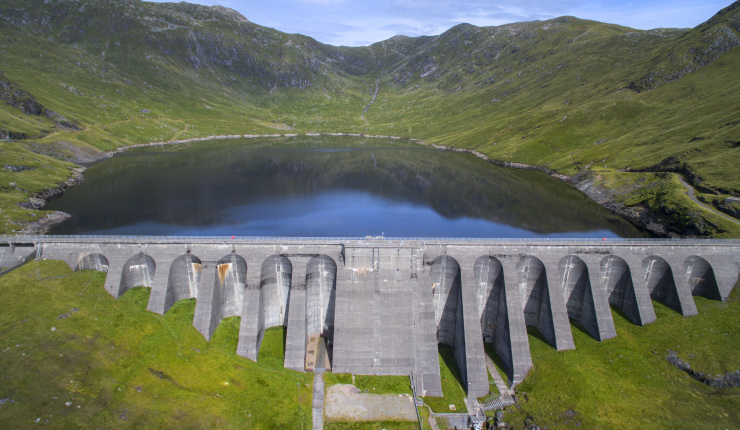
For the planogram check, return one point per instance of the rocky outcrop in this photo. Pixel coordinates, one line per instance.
(639, 215)
(45, 223)
(38, 200)
(698, 48)
(13, 95)
(727, 380)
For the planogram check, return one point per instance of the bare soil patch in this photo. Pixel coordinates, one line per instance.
(345, 403)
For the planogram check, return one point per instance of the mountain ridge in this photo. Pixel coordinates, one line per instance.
(574, 96)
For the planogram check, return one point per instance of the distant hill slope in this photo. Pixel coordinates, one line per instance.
(614, 108)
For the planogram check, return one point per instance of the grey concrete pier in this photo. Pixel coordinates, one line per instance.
(382, 306)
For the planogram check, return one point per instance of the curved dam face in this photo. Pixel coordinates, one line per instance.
(382, 306)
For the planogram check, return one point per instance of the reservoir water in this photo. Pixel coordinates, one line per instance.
(324, 186)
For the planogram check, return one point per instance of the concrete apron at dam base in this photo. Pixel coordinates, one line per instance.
(378, 306)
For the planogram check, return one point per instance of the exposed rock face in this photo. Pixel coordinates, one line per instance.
(704, 45)
(641, 216)
(728, 380)
(38, 201)
(220, 43)
(730, 206)
(44, 224)
(13, 95)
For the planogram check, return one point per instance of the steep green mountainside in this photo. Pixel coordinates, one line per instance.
(614, 108)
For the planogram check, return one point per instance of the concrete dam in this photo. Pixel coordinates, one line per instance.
(382, 306)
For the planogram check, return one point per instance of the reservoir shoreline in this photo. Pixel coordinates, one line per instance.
(637, 216)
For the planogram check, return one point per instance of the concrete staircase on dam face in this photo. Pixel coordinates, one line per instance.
(383, 306)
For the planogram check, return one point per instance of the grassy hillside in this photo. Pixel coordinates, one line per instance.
(72, 356)
(627, 382)
(574, 96)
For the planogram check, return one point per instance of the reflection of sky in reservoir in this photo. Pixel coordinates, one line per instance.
(340, 213)
(326, 186)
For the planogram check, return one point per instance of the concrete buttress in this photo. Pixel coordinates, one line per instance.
(640, 311)
(382, 306)
(208, 303)
(515, 353)
(560, 321)
(475, 375)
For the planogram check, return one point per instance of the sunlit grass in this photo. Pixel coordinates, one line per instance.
(65, 340)
(626, 382)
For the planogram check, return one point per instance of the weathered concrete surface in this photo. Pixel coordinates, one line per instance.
(383, 306)
(295, 342)
(12, 256)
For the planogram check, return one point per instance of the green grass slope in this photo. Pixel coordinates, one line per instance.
(569, 95)
(627, 382)
(72, 356)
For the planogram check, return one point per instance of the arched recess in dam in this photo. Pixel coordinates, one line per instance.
(660, 282)
(620, 289)
(445, 276)
(488, 273)
(579, 298)
(92, 262)
(701, 279)
(138, 271)
(536, 297)
(275, 280)
(183, 280)
(231, 279)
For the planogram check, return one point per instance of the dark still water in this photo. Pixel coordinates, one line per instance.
(324, 186)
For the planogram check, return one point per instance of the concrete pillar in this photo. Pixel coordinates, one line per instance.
(644, 313)
(231, 280)
(252, 327)
(560, 321)
(115, 272)
(208, 304)
(158, 295)
(586, 297)
(512, 343)
(683, 291)
(295, 342)
(68, 256)
(597, 293)
(474, 370)
(426, 367)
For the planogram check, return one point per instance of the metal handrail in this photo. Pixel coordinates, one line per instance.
(342, 240)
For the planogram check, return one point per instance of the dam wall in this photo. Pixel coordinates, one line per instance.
(383, 306)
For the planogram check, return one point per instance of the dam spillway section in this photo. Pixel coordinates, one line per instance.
(382, 306)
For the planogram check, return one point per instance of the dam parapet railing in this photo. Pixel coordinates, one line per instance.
(374, 240)
(382, 305)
